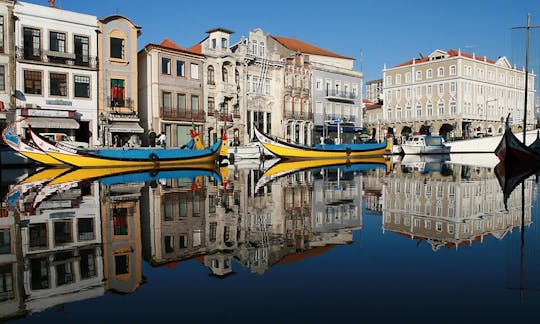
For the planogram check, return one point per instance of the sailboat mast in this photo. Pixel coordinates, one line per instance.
(526, 77)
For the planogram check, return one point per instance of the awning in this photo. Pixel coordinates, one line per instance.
(48, 122)
(125, 127)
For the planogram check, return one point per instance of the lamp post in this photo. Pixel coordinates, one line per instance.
(486, 119)
(102, 128)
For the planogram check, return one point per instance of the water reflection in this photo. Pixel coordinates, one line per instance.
(69, 235)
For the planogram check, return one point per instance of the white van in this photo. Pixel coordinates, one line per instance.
(64, 140)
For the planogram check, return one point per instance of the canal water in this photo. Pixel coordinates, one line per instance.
(431, 240)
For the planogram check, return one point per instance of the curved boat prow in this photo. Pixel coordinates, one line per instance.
(197, 143)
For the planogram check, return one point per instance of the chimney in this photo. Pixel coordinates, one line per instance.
(51, 4)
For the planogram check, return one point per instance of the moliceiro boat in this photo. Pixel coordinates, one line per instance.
(511, 149)
(125, 157)
(425, 144)
(287, 150)
(26, 149)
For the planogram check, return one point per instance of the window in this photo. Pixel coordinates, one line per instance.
(5, 242)
(1, 34)
(194, 71)
(57, 42)
(121, 264)
(223, 42)
(32, 82)
(165, 65)
(2, 78)
(180, 68)
(32, 44)
(453, 70)
(211, 104)
(429, 74)
(181, 102)
(39, 273)
(224, 74)
(58, 84)
(214, 43)
(120, 221)
(166, 100)
(194, 105)
(117, 93)
(38, 235)
(117, 48)
(81, 50)
(62, 232)
(418, 75)
(440, 72)
(210, 75)
(82, 86)
(85, 228)
(87, 263)
(236, 77)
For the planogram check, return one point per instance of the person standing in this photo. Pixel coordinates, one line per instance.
(152, 138)
(162, 140)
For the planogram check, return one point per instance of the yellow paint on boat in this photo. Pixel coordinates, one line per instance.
(41, 158)
(295, 153)
(89, 162)
(292, 165)
(46, 174)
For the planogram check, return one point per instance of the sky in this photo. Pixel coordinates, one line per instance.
(375, 33)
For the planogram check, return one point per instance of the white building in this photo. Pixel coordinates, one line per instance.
(56, 70)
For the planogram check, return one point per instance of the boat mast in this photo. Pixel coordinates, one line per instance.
(528, 29)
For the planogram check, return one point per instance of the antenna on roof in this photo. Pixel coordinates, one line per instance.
(421, 55)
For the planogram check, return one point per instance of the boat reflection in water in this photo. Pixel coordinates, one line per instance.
(71, 235)
(451, 205)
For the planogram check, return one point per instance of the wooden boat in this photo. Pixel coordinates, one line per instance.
(128, 157)
(510, 175)
(26, 149)
(425, 144)
(34, 181)
(119, 175)
(286, 150)
(285, 167)
(512, 149)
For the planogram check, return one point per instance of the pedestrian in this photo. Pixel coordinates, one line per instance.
(152, 138)
(162, 140)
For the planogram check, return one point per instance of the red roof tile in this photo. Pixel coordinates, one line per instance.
(303, 47)
(170, 44)
(451, 53)
(197, 48)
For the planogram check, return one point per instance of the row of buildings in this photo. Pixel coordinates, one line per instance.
(78, 241)
(72, 72)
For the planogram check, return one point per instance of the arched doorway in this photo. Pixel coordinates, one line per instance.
(406, 132)
(424, 130)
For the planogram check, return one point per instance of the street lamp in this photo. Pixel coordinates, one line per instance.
(102, 128)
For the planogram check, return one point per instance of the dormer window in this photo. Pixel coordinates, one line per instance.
(223, 42)
(214, 43)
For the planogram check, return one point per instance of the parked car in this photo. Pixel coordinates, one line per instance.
(64, 139)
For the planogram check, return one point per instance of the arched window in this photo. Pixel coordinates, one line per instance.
(224, 74)
(210, 75)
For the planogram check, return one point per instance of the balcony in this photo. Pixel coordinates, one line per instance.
(301, 115)
(341, 96)
(55, 57)
(183, 115)
(121, 105)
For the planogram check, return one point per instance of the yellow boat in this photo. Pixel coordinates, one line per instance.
(287, 150)
(285, 167)
(25, 149)
(128, 157)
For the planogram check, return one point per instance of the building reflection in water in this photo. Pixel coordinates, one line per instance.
(450, 205)
(60, 244)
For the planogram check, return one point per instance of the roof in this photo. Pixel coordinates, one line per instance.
(221, 29)
(303, 47)
(450, 53)
(294, 257)
(373, 106)
(197, 48)
(170, 44)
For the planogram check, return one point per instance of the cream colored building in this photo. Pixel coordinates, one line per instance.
(455, 94)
